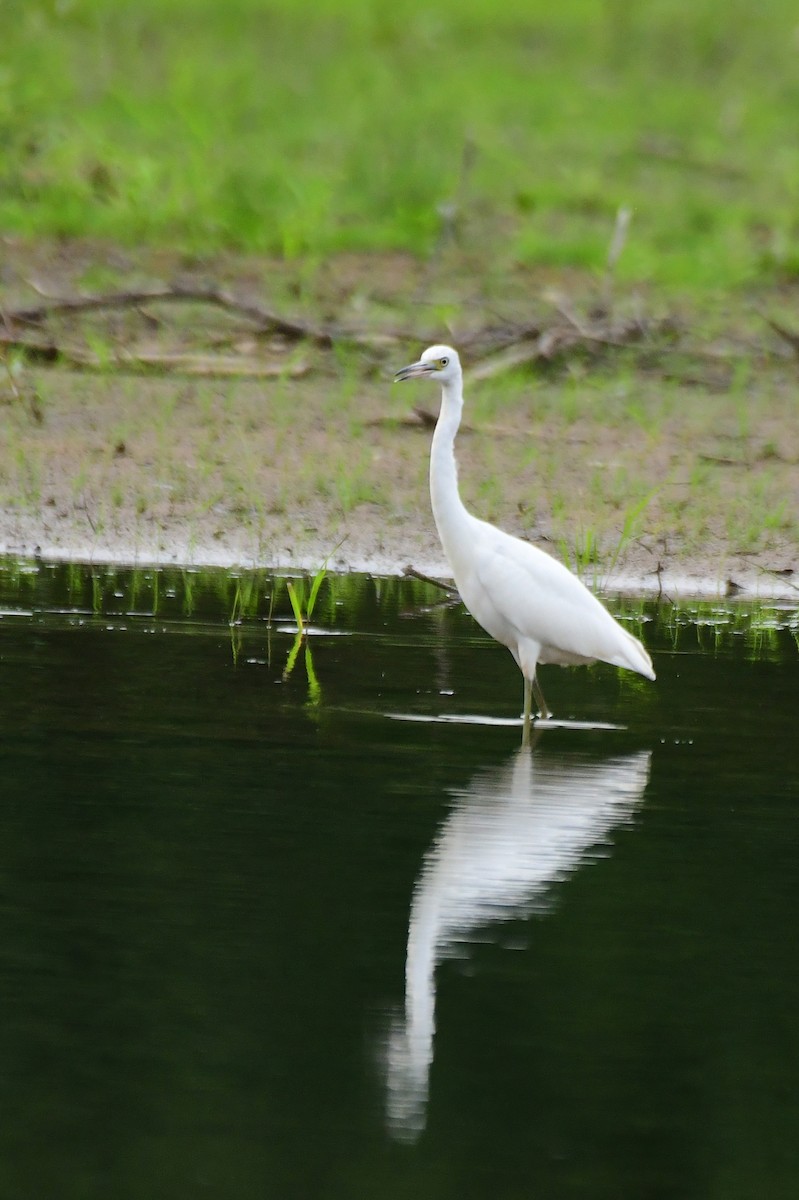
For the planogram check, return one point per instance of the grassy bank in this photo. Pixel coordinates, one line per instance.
(433, 169)
(666, 456)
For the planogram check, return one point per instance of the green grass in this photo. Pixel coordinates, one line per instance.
(304, 130)
(213, 599)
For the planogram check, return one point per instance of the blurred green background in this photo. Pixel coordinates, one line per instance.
(514, 130)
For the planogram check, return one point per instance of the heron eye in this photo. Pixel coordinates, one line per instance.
(443, 362)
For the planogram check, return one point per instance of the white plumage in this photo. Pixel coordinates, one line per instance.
(522, 596)
(510, 834)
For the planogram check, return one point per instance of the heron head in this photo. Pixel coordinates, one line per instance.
(437, 362)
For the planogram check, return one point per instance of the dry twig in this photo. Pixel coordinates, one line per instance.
(515, 345)
(787, 335)
(411, 573)
(268, 322)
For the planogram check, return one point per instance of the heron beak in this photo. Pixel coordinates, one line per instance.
(417, 370)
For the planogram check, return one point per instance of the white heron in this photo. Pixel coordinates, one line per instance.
(521, 595)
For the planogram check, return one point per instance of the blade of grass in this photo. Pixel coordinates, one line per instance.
(318, 580)
(297, 607)
(292, 658)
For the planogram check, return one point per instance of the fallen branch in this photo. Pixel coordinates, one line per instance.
(411, 573)
(424, 417)
(506, 347)
(495, 338)
(185, 363)
(559, 339)
(721, 461)
(212, 365)
(505, 360)
(786, 334)
(268, 322)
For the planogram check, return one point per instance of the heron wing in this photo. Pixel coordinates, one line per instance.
(520, 594)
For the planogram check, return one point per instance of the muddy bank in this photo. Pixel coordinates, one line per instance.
(360, 544)
(671, 465)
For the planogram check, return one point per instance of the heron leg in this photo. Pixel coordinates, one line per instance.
(543, 707)
(528, 708)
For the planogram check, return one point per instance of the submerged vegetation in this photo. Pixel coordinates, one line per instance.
(257, 603)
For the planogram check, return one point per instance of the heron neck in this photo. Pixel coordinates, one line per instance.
(449, 511)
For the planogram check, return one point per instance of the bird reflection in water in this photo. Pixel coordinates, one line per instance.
(511, 834)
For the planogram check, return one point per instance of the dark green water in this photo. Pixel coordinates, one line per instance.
(211, 879)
